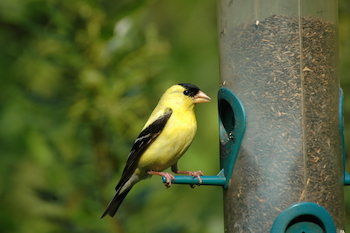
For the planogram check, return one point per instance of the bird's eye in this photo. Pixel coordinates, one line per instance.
(186, 92)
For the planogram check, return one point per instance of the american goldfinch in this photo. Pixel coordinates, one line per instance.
(165, 137)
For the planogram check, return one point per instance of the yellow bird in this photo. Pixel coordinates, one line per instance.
(165, 137)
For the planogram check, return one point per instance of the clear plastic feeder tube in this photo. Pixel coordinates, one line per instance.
(281, 60)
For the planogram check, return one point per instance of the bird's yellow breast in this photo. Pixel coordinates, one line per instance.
(172, 143)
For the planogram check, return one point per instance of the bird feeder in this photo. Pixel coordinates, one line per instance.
(280, 58)
(282, 156)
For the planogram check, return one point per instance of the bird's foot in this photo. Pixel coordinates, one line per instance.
(194, 174)
(169, 177)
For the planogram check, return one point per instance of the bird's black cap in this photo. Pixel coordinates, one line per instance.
(191, 89)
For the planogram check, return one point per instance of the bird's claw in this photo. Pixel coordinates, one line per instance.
(169, 177)
(194, 174)
(197, 174)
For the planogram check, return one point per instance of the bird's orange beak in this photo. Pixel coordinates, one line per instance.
(201, 97)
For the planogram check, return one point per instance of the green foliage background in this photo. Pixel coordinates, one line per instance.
(78, 80)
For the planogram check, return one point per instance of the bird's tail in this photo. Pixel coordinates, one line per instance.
(115, 203)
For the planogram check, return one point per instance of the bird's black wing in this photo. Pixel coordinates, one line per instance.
(146, 137)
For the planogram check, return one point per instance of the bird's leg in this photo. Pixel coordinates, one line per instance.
(194, 174)
(169, 177)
